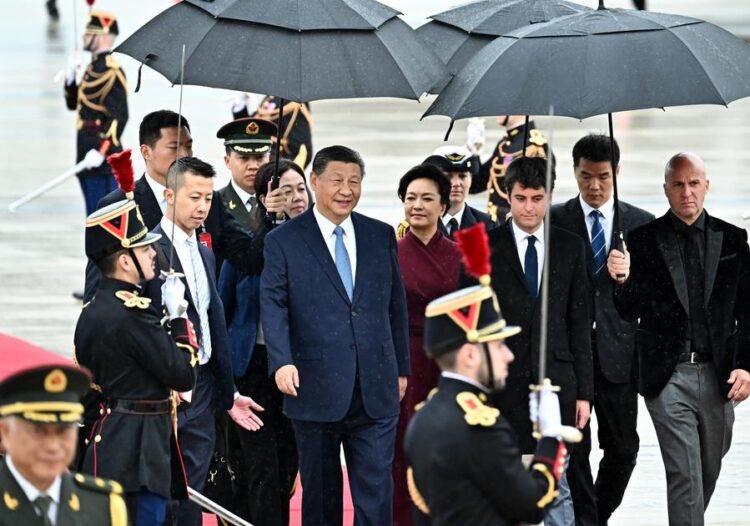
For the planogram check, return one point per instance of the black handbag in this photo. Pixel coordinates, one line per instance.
(220, 480)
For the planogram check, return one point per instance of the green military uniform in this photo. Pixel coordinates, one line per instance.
(248, 135)
(491, 173)
(50, 395)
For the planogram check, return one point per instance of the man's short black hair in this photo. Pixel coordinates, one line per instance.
(595, 148)
(426, 171)
(150, 130)
(176, 173)
(338, 153)
(530, 172)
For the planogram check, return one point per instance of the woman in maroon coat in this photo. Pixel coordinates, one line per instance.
(430, 263)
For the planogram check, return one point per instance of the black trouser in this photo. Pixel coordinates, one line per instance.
(265, 461)
(616, 407)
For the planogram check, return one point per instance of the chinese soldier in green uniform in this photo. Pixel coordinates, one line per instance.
(39, 413)
(101, 103)
(465, 465)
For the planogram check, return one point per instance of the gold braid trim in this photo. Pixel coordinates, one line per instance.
(118, 512)
(551, 491)
(414, 493)
(402, 229)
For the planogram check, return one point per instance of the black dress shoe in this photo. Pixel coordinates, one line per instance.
(52, 11)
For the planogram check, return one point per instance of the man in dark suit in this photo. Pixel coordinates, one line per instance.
(685, 278)
(223, 235)
(590, 215)
(334, 318)
(458, 166)
(189, 197)
(517, 259)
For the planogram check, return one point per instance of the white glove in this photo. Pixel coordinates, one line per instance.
(544, 407)
(71, 70)
(475, 135)
(93, 159)
(173, 297)
(239, 103)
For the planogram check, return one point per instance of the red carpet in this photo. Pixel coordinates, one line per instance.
(295, 507)
(17, 354)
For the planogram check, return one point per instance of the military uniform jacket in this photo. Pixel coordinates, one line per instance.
(101, 102)
(119, 337)
(84, 501)
(297, 121)
(492, 173)
(465, 465)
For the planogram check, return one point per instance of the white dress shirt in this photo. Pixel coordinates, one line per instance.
(458, 217)
(244, 196)
(182, 250)
(456, 376)
(522, 244)
(607, 220)
(158, 189)
(350, 240)
(32, 493)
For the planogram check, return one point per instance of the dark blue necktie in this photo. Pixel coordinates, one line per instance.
(531, 268)
(598, 243)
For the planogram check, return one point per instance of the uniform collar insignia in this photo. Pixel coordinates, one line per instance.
(10, 502)
(232, 205)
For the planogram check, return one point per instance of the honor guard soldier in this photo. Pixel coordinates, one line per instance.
(465, 465)
(134, 359)
(40, 409)
(296, 122)
(100, 100)
(492, 172)
(247, 147)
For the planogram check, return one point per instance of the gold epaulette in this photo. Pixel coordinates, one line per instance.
(132, 300)
(402, 229)
(476, 412)
(118, 511)
(97, 484)
(111, 62)
(421, 404)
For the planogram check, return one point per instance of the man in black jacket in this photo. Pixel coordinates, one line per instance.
(221, 233)
(590, 215)
(685, 277)
(517, 259)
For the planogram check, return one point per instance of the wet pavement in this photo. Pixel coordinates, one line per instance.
(41, 246)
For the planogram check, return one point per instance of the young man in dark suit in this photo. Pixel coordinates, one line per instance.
(158, 138)
(458, 165)
(590, 215)
(334, 319)
(685, 279)
(189, 198)
(517, 259)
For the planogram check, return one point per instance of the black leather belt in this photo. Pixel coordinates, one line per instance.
(693, 357)
(141, 407)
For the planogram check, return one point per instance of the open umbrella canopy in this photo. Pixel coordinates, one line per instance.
(497, 17)
(302, 15)
(600, 62)
(300, 66)
(458, 34)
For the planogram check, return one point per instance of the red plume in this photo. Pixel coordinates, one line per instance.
(90, 2)
(122, 169)
(474, 244)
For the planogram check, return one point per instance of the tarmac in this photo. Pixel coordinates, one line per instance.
(41, 245)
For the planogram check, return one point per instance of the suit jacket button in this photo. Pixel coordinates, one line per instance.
(353, 347)
(354, 313)
(597, 294)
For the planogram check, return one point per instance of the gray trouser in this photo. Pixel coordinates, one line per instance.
(694, 427)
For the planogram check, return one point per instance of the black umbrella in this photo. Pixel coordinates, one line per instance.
(302, 15)
(302, 66)
(600, 62)
(457, 34)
